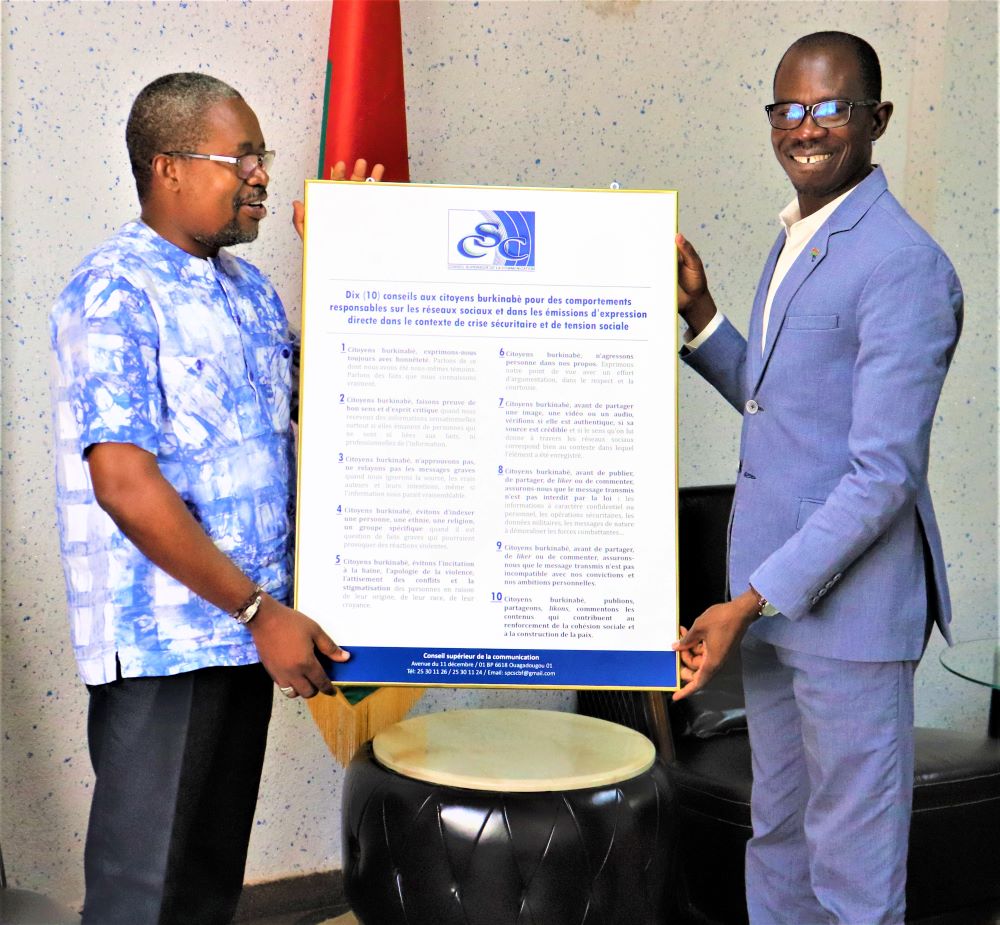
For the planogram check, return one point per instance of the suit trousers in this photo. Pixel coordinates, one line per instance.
(832, 746)
(178, 762)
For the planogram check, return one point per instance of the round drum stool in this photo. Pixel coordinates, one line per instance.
(507, 817)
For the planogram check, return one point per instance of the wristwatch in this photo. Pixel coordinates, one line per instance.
(248, 610)
(764, 607)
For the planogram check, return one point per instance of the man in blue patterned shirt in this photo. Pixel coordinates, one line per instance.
(174, 492)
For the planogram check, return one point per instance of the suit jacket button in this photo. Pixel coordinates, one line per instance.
(821, 592)
(752, 407)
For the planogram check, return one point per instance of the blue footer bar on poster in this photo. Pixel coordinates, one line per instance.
(507, 667)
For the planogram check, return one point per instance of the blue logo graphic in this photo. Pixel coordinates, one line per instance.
(491, 240)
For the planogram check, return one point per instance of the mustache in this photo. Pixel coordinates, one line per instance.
(252, 200)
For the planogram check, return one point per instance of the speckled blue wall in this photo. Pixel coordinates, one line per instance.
(571, 93)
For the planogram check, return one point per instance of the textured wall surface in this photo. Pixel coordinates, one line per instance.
(567, 94)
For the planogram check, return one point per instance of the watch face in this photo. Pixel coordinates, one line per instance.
(250, 611)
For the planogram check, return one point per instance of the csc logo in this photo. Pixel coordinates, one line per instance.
(489, 235)
(491, 240)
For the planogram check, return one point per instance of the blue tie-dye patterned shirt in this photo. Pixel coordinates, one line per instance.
(190, 360)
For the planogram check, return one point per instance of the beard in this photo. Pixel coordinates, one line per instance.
(228, 235)
(233, 233)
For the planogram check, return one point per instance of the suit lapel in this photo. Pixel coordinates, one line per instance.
(807, 261)
(755, 366)
(844, 218)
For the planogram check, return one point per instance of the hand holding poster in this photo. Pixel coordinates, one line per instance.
(487, 459)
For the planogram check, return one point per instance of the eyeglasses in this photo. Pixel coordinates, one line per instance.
(828, 114)
(245, 164)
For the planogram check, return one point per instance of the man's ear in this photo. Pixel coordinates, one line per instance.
(880, 119)
(165, 172)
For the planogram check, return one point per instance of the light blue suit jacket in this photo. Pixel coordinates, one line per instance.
(832, 504)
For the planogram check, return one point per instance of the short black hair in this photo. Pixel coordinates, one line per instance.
(870, 69)
(168, 115)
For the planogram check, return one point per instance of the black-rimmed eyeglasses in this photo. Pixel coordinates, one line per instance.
(827, 114)
(245, 164)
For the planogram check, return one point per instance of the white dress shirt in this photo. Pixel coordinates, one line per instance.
(798, 232)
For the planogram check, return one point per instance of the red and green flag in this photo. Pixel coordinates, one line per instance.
(364, 108)
(364, 115)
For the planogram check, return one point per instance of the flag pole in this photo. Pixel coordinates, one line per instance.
(364, 115)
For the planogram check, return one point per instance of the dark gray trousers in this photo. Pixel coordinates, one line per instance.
(178, 762)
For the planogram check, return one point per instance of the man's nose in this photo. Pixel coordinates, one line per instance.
(259, 177)
(808, 130)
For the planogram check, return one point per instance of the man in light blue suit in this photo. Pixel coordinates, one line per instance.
(835, 560)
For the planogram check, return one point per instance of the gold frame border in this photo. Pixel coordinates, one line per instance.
(300, 428)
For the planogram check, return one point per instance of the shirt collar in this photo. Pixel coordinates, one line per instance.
(797, 227)
(223, 262)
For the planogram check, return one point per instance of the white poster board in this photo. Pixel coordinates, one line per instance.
(487, 449)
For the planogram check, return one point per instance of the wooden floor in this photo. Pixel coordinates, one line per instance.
(301, 917)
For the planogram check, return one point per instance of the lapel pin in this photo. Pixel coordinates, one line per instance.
(814, 253)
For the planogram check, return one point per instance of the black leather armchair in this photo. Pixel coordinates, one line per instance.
(954, 862)
(24, 907)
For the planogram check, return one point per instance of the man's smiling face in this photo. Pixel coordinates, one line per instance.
(217, 208)
(824, 163)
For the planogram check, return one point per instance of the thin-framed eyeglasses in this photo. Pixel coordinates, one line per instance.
(826, 114)
(245, 164)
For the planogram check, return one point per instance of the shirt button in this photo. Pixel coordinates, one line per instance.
(752, 407)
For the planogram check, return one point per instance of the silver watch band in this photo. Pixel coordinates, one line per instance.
(249, 610)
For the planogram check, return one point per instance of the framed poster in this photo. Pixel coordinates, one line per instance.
(487, 447)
